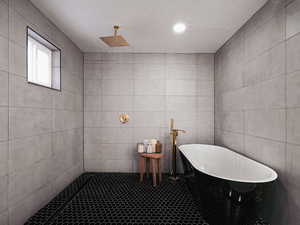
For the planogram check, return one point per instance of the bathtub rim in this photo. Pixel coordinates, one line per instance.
(274, 176)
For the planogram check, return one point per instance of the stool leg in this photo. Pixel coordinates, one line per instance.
(142, 168)
(159, 170)
(149, 169)
(153, 163)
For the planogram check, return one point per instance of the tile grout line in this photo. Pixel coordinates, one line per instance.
(8, 115)
(83, 112)
(285, 95)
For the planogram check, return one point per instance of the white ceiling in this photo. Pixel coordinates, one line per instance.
(147, 24)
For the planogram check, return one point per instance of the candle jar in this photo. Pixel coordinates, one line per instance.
(141, 148)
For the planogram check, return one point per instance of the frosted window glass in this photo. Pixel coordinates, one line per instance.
(39, 63)
(43, 61)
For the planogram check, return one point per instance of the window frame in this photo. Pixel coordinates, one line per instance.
(29, 29)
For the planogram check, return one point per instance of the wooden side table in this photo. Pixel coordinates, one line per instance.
(155, 165)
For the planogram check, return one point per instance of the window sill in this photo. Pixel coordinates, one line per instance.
(40, 85)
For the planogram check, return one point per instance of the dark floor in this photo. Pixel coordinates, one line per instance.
(118, 199)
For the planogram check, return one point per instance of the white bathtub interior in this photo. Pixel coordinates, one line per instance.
(223, 163)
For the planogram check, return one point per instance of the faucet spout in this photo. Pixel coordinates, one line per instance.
(179, 130)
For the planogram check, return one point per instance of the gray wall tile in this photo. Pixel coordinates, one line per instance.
(3, 123)
(23, 94)
(267, 124)
(93, 119)
(139, 134)
(3, 193)
(92, 87)
(3, 88)
(181, 103)
(182, 87)
(142, 119)
(233, 100)
(256, 70)
(92, 70)
(293, 54)
(263, 112)
(183, 71)
(261, 149)
(117, 57)
(26, 122)
(3, 158)
(29, 118)
(117, 71)
(293, 126)
(266, 95)
(149, 59)
(293, 90)
(117, 151)
(149, 71)
(188, 59)
(294, 205)
(92, 103)
(234, 141)
(265, 35)
(17, 59)
(117, 87)
(3, 54)
(117, 103)
(17, 28)
(28, 151)
(67, 101)
(4, 19)
(111, 119)
(231, 121)
(151, 88)
(4, 218)
(149, 103)
(293, 170)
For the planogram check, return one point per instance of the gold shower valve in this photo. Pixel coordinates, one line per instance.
(124, 118)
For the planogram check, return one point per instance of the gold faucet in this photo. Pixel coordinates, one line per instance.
(174, 134)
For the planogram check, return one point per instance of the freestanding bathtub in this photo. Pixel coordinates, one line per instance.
(230, 189)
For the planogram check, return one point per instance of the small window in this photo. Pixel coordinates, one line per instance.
(43, 61)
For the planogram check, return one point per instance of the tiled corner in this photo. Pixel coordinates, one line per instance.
(292, 19)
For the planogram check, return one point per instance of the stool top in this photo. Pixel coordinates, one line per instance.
(152, 155)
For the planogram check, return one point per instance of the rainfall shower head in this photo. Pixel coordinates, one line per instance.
(115, 40)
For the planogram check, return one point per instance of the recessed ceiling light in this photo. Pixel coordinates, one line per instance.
(179, 28)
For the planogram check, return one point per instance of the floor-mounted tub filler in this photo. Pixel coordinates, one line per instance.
(231, 188)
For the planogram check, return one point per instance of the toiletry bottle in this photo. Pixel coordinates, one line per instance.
(141, 148)
(149, 148)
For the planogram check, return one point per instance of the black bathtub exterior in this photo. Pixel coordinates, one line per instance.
(225, 202)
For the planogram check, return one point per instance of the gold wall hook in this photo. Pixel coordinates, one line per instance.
(124, 118)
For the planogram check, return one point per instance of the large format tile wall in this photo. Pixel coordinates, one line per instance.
(151, 88)
(257, 98)
(41, 130)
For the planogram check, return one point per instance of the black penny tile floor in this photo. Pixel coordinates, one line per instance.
(119, 199)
